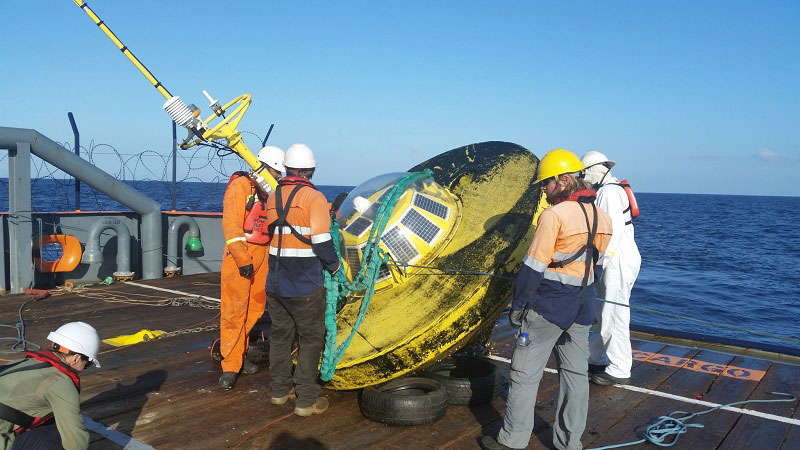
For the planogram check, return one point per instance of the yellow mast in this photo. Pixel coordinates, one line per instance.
(225, 129)
(104, 28)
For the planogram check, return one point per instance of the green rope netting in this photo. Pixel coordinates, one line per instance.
(338, 287)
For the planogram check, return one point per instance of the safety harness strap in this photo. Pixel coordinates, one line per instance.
(589, 245)
(13, 415)
(593, 249)
(283, 212)
(594, 255)
(628, 209)
(55, 361)
(4, 370)
(16, 416)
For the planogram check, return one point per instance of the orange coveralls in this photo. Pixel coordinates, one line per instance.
(243, 299)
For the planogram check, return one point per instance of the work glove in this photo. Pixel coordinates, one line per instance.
(246, 271)
(515, 318)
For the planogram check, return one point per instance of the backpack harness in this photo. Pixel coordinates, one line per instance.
(592, 253)
(283, 213)
(48, 359)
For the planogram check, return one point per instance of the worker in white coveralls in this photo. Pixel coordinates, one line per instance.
(609, 341)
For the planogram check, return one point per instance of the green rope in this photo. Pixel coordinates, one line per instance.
(446, 271)
(338, 287)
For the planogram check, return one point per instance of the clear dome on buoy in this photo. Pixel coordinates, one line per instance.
(423, 220)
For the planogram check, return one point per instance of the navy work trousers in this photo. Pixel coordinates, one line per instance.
(43, 437)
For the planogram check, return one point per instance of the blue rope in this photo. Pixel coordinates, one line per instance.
(659, 433)
(20, 343)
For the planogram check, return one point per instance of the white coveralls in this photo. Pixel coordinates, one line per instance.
(609, 341)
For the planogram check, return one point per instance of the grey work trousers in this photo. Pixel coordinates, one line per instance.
(306, 317)
(527, 367)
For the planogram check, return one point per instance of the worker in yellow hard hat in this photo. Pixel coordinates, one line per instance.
(553, 305)
(555, 163)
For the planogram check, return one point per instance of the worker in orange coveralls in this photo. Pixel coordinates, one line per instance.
(244, 266)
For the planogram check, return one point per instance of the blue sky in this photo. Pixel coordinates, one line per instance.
(686, 96)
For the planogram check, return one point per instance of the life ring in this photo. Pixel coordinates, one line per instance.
(71, 252)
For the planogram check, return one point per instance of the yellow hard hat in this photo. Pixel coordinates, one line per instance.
(558, 162)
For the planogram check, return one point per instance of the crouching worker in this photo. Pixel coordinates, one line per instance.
(45, 386)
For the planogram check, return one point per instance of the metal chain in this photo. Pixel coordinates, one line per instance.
(194, 302)
(189, 331)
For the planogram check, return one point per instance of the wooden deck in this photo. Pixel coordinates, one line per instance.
(163, 393)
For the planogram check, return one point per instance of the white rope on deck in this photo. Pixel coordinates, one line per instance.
(114, 436)
(750, 412)
(186, 294)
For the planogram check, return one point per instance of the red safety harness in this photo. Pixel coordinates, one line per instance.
(48, 359)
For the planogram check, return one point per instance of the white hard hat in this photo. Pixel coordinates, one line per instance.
(593, 158)
(273, 157)
(80, 337)
(598, 167)
(299, 156)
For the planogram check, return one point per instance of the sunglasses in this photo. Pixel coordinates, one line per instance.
(546, 181)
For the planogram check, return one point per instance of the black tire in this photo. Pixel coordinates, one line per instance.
(405, 401)
(469, 380)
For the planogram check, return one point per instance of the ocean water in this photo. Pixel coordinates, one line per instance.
(732, 260)
(721, 258)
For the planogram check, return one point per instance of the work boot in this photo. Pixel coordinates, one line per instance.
(596, 368)
(605, 379)
(249, 367)
(319, 407)
(227, 380)
(490, 443)
(283, 399)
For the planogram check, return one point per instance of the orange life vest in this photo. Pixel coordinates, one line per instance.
(633, 206)
(255, 223)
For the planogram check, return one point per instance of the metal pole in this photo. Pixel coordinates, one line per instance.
(58, 156)
(174, 162)
(20, 230)
(78, 154)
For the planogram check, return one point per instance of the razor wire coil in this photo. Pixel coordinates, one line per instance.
(201, 174)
